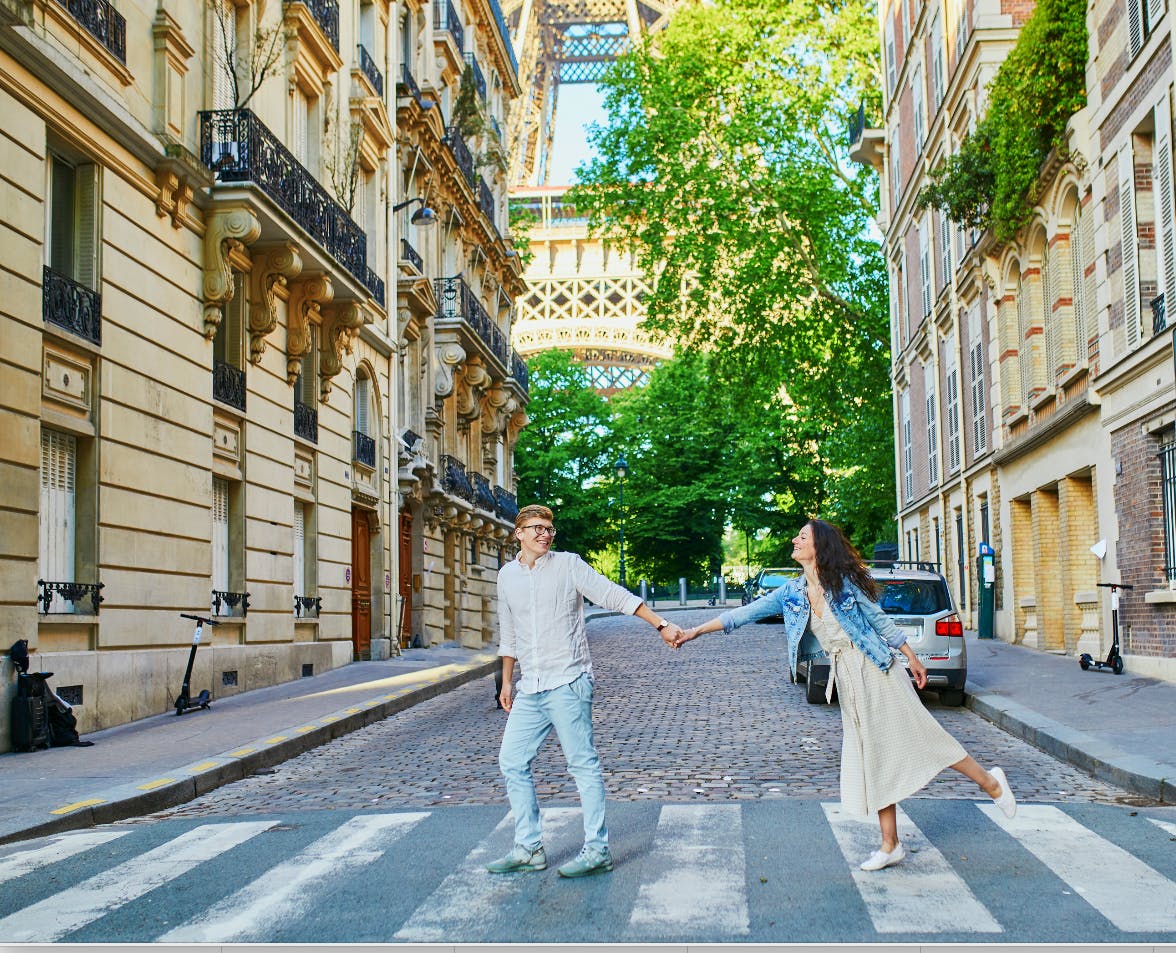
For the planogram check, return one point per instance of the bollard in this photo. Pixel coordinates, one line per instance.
(722, 591)
(681, 590)
(645, 592)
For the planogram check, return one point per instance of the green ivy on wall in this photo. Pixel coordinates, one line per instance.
(992, 182)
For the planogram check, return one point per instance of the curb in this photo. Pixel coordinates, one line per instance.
(238, 768)
(1141, 775)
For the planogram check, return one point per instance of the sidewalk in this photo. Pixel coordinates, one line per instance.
(1117, 727)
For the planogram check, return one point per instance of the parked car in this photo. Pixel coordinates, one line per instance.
(765, 581)
(919, 600)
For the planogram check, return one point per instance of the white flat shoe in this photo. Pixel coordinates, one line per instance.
(1006, 802)
(881, 858)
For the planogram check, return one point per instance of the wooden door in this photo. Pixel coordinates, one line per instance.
(361, 585)
(405, 582)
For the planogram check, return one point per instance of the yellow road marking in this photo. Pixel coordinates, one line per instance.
(204, 766)
(79, 804)
(155, 784)
(353, 711)
(305, 728)
(275, 739)
(241, 751)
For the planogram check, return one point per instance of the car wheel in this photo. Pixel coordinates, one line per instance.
(951, 696)
(814, 694)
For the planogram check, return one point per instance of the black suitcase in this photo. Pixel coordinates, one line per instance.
(30, 719)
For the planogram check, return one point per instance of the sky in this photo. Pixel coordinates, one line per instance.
(579, 105)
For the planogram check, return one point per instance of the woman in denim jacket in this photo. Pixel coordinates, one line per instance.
(892, 746)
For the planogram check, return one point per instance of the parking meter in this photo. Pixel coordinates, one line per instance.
(986, 589)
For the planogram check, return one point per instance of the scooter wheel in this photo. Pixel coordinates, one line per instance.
(1084, 661)
(1117, 665)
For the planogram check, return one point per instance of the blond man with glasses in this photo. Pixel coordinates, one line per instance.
(541, 629)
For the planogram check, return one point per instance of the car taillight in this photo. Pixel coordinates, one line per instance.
(949, 625)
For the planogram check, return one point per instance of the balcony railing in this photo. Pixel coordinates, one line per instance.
(458, 302)
(305, 422)
(375, 284)
(857, 125)
(461, 153)
(239, 148)
(326, 15)
(454, 480)
(1159, 311)
(407, 84)
(483, 495)
(446, 18)
(71, 594)
(228, 384)
(409, 254)
(519, 370)
(226, 603)
(365, 449)
(103, 22)
(307, 607)
(505, 504)
(70, 305)
(486, 202)
(479, 76)
(505, 33)
(367, 66)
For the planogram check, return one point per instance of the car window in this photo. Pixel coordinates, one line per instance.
(773, 580)
(911, 596)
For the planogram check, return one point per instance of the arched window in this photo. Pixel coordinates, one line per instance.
(365, 421)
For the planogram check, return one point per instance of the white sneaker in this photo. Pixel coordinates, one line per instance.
(1006, 802)
(881, 858)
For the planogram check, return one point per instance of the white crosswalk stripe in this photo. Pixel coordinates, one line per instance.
(924, 894)
(471, 897)
(284, 892)
(60, 848)
(64, 912)
(1124, 889)
(698, 874)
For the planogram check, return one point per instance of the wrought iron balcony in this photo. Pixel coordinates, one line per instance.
(458, 302)
(305, 422)
(483, 495)
(461, 153)
(505, 34)
(519, 370)
(238, 148)
(365, 449)
(1159, 311)
(308, 607)
(446, 18)
(409, 254)
(228, 384)
(229, 601)
(326, 15)
(857, 124)
(486, 202)
(103, 22)
(505, 504)
(70, 305)
(375, 284)
(367, 66)
(454, 480)
(71, 594)
(407, 84)
(478, 75)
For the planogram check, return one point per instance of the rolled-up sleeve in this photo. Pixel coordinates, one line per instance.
(506, 629)
(604, 592)
(766, 605)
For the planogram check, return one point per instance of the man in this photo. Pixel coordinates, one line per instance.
(541, 624)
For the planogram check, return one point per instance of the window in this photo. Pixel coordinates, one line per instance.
(917, 98)
(961, 38)
(953, 405)
(891, 59)
(1082, 262)
(58, 515)
(938, 74)
(908, 457)
(1024, 340)
(895, 171)
(228, 346)
(299, 573)
(932, 425)
(1142, 17)
(1049, 319)
(907, 17)
(306, 390)
(365, 444)
(1165, 223)
(72, 243)
(220, 539)
(984, 527)
(926, 275)
(944, 249)
(304, 132)
(979, 412)
(1130, 237)
(1168, 472)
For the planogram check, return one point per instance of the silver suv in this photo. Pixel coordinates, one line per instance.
(919, 600)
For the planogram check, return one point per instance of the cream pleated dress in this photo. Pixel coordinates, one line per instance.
(892, 746)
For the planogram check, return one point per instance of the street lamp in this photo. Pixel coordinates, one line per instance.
(422, 216)
(622, 468)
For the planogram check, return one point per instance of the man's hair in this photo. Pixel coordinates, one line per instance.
(533, 510)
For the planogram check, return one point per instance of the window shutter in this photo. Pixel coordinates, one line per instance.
(938, 80)
(929, 383)
(1086, 243)
(891, 64)
(908, 461)
(58, 502)
(362, 400)
(300, 111)
(1135, 25)
(945, 231)
(979, 411)
(917, 100)
(300, 549)
(220, 537)
(925, 266)
(1130, 246)
(307, 385)
(953, 405)
(1049, 281)
(86, 226)
(1167, 214)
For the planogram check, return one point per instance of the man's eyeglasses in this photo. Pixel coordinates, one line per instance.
(539, 529)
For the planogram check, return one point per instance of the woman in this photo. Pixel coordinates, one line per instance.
(892, 746)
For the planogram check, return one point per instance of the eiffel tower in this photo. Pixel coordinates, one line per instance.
(581, 295)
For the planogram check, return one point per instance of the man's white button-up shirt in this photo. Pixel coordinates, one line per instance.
(541, 617)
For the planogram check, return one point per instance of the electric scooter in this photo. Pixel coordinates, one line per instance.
(184, 701)
(1114, 660)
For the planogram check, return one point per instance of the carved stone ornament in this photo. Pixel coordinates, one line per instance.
(339, 330)
(474, 380)
(271, 270)
(225, 230)
(174, 196)
(497, 408)
(307, 297)
(515, 426)
(449, 358)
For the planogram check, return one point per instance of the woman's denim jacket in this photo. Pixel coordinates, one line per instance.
(868, 627)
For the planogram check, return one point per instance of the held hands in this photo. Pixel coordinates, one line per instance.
(670, 634)
(684, 636)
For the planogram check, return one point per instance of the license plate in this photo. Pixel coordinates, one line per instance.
(922, 657)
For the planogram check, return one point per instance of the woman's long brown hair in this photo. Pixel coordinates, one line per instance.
(838, 561)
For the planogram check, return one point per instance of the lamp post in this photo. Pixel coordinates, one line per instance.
(622, 468)
(422, 216)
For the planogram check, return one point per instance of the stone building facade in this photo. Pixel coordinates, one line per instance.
(227, 370)
(1034, 404)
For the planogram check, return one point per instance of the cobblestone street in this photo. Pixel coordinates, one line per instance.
(717, 720)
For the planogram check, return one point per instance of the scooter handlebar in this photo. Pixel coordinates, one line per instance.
(199, 618)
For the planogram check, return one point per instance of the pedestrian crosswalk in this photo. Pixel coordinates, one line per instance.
(684, 872)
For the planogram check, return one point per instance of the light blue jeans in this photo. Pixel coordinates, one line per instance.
(567, 709)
